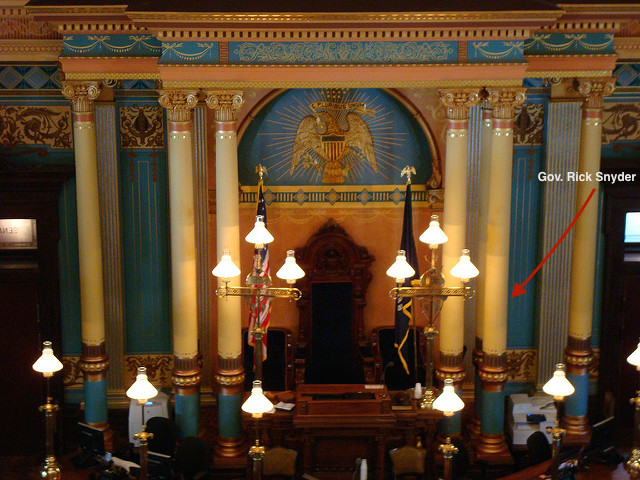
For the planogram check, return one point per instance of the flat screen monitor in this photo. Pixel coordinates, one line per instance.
(160, 466)
(91, 439)
(602, 435)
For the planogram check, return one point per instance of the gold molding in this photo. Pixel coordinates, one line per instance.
(568, 73)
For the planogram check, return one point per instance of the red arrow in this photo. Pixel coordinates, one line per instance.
(518, 288)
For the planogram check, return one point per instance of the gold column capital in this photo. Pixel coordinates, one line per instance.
(81, 94)
(225, 103)
(458, 100)
(594, 90)
(179, 103)
(504, 100)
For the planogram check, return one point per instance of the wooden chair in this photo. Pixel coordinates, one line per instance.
(280, 462)
(384, 351)
(277, 369)
(408, 462)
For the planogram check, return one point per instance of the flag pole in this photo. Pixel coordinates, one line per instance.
(408, 171)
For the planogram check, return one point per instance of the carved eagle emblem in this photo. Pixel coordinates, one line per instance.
(323, 145)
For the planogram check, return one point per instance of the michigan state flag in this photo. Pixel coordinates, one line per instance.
(404, 304)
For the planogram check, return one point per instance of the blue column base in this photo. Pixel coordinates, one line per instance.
(187, 414)
(95, 402)
(229, 416)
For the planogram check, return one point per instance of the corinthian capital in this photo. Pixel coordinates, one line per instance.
(594, 90)
(81, 94)
(225, 103)
(505, 100)
(179, 103)
(458, 100)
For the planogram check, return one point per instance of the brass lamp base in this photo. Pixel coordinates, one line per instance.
(428, 397)
(50, 469)
(632, 465)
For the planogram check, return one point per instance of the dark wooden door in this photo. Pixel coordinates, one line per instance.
(19, 348)
(618, 381)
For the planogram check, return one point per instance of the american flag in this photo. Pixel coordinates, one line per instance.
(260, 312)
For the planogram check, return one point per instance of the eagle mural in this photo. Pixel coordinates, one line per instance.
(322, 144)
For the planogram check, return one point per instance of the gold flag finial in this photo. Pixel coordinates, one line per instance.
(260, 170)
(408, 171)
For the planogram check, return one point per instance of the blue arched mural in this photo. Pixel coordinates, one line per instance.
(334, 137)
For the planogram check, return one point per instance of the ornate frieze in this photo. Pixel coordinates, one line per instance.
(36, 125)
(225, 103)
(621, 121)
(528, 124)
(179, 104)
(72, 373)
(342, 53)
(521, 365)
(15, 24)
(485, 51)
(111, 45)
(159, 367)
(82, 95)
(141, 127)
(569, 44)
(594, 90)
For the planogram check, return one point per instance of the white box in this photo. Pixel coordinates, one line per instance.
(157, 406)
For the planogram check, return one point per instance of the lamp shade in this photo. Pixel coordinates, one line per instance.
(558, 386)
(226, 268)
(401, 268)
(257, 403)
(47, 363)
(464, 269)
(290, 271)
(433, 235)
(259, 235)
(448, 401)
(634, 358)
(142, 390)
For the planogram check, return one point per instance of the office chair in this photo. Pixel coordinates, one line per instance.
(165, 435)
(279, 461)
(193, 459)
(538, 448)
(408, 462)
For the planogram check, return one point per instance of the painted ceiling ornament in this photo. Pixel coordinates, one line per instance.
(334, 139)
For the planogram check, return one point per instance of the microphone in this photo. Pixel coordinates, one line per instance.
(384, 371)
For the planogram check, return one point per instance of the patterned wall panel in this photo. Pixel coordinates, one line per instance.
(48, 126)
(621, 125)
(145, 216)
(354, 141)
(342, 53)
(37, 77)
(525, 213)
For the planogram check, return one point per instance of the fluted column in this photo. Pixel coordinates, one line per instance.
(94, 361)
(186, 375)
(450, 362)
(578, 354)
(493, 369)
(230, 372)
(486, 134)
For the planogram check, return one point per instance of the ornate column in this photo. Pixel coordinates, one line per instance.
(186, 375)
(94, 362)
(486, 133)
(230, 372)
(450, 362)
(578, 354)
(493, 369)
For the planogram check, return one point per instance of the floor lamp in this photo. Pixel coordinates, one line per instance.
(632, 465)
(142, 391)
(558, 387)
(48, 364)
(256, 405)
(448, 402)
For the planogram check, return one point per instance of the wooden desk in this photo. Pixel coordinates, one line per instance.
(595, 471)
(332, 425)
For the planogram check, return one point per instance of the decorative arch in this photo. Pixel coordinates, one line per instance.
(283, 132)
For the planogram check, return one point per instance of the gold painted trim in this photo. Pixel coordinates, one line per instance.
(111, 75)
(343, 83)
(568, 73)
(531, 17)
